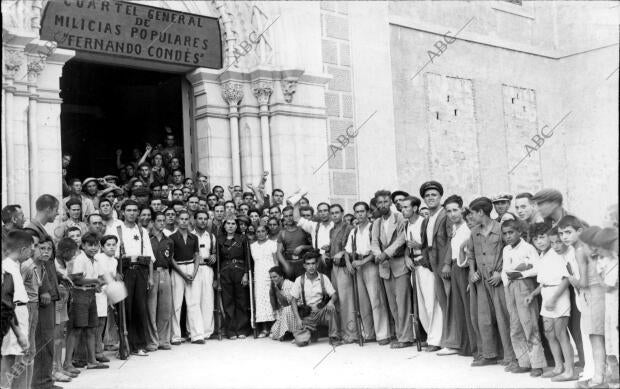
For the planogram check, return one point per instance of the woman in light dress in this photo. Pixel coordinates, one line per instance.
(281, 300)
(264, 255)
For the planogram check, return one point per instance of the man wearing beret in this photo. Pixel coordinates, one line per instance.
(388, 246)
(436, 233)
(484, 254)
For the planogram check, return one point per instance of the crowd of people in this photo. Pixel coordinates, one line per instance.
(525, 285)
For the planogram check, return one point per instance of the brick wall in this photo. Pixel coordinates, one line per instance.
(343, 178)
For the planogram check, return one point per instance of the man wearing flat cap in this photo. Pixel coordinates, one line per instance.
(549, 202)
(436, 233)
(501, 204)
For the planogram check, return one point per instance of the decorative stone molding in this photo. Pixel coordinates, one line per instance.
(289, 87)
(23, 15)
(232, 93)
(35, 66)
(13, 59)
(262, 91)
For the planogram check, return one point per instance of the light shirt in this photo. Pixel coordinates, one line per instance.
(13, 268)
(110, 226)
(320, 238)
(168, 232)
(132, 242)
(551, 270)
(32, 277)
(430, 227)
(414, 230)
(460, 235)
(104, 265)
(312, 289)
(522, 253)
(362, 240)
(204, 243)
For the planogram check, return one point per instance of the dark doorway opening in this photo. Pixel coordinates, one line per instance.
(106, 108)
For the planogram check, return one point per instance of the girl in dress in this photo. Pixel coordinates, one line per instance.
(281, 300)
(264, 255)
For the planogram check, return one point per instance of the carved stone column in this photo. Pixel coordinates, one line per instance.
(35, 65)
(262, 91)
(233, 93)
(13, 60)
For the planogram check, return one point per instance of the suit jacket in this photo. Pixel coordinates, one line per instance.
(440, 253)
(49, 281)
(393, 244)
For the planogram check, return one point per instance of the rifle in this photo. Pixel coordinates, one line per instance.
(251, 286)
(124, 350)
(219, 311)
(414, 311)
(356, 306)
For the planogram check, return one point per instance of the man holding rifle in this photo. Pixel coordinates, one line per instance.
(371, 295)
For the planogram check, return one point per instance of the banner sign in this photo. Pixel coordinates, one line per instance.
(133, 30)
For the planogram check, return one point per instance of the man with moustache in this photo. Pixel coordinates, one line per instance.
(388, 247)
(436, 233)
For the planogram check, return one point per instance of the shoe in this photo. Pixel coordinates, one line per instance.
(59, 377)
(401, 344)
(484, 362)
(213, 336)
(424, 344)
(511, 366)
(384, 342)
(176, 343)
(102, 358)
(198, 341)
(97, 366)
(79, 363)
(520, 370)
(432, 349)
(151, 348)
(335, 342)
(139, 353)
(552, 373)
(110, 347)
(70, 369)
(447, 351)
(536, 372)
(164, 347)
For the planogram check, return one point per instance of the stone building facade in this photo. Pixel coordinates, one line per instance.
(462, 115)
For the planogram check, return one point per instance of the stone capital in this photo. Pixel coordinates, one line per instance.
(262, 91)
(232, 92)
(13, 59)
(36, 64)
(289, 88)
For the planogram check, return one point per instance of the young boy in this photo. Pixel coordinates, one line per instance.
(105, 263)
(592, 301)
(520, 261)
(75, 234)
(19, 246)
(83, 312)
(552, 276)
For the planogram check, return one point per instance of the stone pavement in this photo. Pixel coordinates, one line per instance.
(264, 363)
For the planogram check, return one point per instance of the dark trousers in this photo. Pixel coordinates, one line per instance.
(44, 338)
(461, 333)
(136, 281)
(235, 298)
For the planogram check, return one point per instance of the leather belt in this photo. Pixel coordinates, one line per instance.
(161, 268)
(19, 304)
(205, 264)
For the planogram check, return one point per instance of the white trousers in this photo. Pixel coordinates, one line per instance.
(429, 310)
(190, 290)
(204, 280)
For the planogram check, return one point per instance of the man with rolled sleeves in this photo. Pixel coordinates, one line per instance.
(159, 300)
(484, 254)
(436, 233)
(388, 247)
(47, 210)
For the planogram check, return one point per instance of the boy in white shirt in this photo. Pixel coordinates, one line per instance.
(106, 264)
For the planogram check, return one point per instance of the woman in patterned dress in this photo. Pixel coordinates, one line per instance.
(280, 295)
(263, 253)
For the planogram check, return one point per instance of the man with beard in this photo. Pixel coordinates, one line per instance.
(205, 274)
(388, 247)
(292, 240)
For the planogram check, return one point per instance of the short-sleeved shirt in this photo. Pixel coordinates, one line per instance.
(522, 253)
(362, 240)
(83, 264)
(163, 250)
(551, 270)
(206, 244)
(32, 277)
(290, 240)
(313, 292)
(184, 249)
(12, 267)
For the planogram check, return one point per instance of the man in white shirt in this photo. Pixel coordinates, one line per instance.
(204, 277)
(319, 231)
(136, 254)
(372, 300)
(429, 310)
